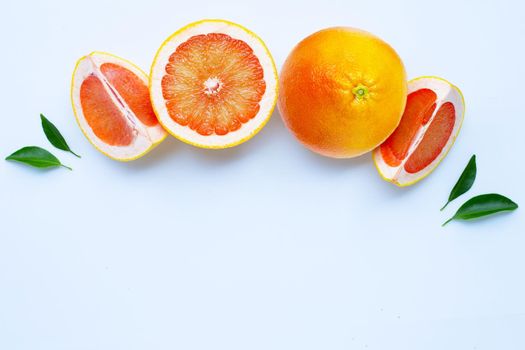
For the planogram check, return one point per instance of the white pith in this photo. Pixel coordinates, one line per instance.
(445, 92)
(247, 129)
(144, 136)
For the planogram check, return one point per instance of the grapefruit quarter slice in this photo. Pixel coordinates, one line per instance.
(111, 103)
(429, 126)
(213, 84)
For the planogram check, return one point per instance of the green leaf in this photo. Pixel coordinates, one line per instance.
(54, 136)
(465, 181)
(36, 157)
(483, 205)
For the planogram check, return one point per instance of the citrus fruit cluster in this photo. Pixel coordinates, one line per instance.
(214, 84)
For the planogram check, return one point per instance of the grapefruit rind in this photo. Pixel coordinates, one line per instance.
(336, 97)
(147, 138)
(267, 103)
(446, 92)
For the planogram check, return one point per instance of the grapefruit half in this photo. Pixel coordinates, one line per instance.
(429, 126)
(111, 103)
(213, 84)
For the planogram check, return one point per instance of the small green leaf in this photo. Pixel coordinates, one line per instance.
(483, 205)
(465, 181)
(54, 136)
(36, 157)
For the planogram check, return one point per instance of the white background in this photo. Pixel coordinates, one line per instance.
(264, 246)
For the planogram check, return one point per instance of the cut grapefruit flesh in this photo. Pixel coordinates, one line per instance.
(213, 84)
(429, 126)
(110, 98)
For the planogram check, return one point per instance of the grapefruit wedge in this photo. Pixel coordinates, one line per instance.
(429, 126)
(111, 103)
(213, 84)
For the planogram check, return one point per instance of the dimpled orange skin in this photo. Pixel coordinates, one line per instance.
(342, 92)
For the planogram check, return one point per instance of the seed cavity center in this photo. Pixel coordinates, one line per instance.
(212, 86)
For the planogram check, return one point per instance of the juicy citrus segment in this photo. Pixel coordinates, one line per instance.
(419, 108)
(430, 123)
(201, 83)
(434, 139)
(213, 84)
(111, 102)
(133, 91)
(102, 114)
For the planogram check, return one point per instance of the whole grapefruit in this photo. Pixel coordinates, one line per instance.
(342, 92)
